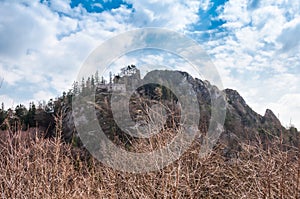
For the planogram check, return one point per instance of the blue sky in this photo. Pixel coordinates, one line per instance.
(254, 44)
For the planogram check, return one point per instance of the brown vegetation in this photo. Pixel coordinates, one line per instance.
(48, 168)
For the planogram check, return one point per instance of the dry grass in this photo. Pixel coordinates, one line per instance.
(48, 168)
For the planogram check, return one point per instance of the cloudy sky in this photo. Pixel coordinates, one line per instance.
(254, 44)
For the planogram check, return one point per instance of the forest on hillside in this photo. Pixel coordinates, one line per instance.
(41, 114)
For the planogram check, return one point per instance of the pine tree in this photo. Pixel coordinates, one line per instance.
(93, 82)
(83, 86)
(2, 116)
(31, 115)
(69, 96)
(88, 86)
(97, 77)
(50, 106)
(75, 88)
(21, 114)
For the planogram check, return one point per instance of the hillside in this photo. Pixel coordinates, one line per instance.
(254, 157)
(241, 124)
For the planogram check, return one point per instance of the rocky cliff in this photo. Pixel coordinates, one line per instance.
(241, 124)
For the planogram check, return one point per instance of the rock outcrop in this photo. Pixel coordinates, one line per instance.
(242, 124)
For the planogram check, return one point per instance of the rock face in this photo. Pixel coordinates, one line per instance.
(271, 119)
(69, 129)
(242, 124)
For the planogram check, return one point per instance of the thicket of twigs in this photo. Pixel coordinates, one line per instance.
(33, 167)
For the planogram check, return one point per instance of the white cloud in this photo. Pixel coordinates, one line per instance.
(205, 4)
(43, 95)
(176, 15)
(60, 5)
(290, 35)
(235, 14)
(8, 101)
(259, 54)
(25, 31)
(40, 46)
(98, 5)
(46, 44)
(287, 108)
(257, 51)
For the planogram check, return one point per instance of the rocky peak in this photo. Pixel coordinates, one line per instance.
(241, 122)
(270, 117)
(234, 97)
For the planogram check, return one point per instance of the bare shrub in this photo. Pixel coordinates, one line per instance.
(48, 168)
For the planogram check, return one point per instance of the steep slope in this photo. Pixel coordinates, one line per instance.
(242, 124)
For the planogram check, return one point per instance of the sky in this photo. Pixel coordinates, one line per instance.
(254, 44)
